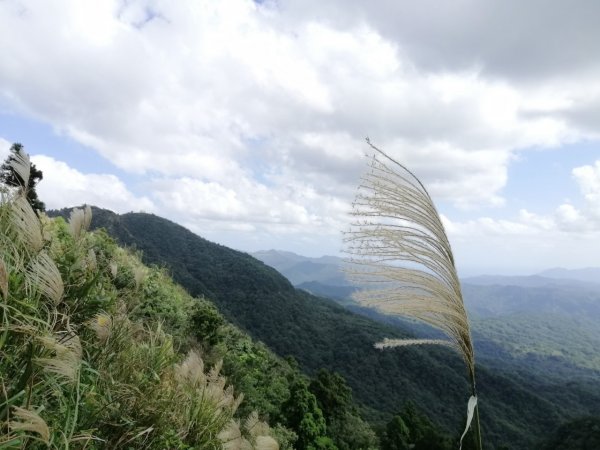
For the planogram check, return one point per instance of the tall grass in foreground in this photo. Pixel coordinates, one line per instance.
(399, 246)
(83, 363)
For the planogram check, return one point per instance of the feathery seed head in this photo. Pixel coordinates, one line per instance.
(231, 436)
(28, 420)
(26, 223)
(191, 370)
(101, 324)
(67, 354)
(139, 274)
(266, 443)
(391, 343)
(213, 374)
(251, 421)
(43, 275)
(87, 217)
(80, 221)
(21, 164)
(113, 269)
(91, 260)
(398, 245)
(256, 427)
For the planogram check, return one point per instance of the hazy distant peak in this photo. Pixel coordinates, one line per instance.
(303, 269)
(587, 274)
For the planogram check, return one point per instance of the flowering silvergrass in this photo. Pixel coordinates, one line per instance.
(398, 246)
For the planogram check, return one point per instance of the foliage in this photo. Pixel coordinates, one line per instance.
(304, 415)
(91, 347)
(28, 182)
(344, 424)
(579, 434)
(332, 392)
(410, 429)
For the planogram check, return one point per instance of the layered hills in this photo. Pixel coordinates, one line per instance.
(317, 333)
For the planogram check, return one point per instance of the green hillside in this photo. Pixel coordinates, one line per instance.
(527, 326)
(98, 351)
(319, 334)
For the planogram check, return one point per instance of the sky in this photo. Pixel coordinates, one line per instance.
(246, 121)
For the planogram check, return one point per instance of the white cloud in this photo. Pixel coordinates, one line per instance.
(569, 236)
(588, 178)
(198, 89)
(253, 118)
(63, 186)
(4, 148)
(566, 218)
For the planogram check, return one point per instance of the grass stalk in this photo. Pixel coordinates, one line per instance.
(398, 245)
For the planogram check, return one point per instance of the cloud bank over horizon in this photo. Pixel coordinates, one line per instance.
(245, 121)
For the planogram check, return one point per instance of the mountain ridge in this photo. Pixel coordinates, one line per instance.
(318, 333)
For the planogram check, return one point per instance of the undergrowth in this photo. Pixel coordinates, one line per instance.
(99, 351)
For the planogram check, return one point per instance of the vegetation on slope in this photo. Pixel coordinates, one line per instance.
(582, 434)
(95, 349)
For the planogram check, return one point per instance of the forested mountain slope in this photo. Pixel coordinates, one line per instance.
(318, 333)
(544, 326)
(98, 351)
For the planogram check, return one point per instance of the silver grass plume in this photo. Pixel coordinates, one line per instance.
(80, 221)
(92, 261)
(266, 443)
(113, 269)
(139, 275)
(231, 436)
(20, 163)
(260, 433)
(251, 423)
(398, 244)
(26, 223)
(191, 370)
(43, 275)
(101, 323)
(66, 360)
(28, 420)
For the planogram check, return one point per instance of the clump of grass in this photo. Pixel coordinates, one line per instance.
(399, 247)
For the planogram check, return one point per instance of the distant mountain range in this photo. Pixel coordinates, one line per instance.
(589, 274)
(545, 322)
(301, 269)
(328, 270)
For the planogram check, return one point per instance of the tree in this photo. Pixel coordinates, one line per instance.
(333, 394)
(410, 429)
(578, 434)
(306, 418)
(344, 424)
(14, 173)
